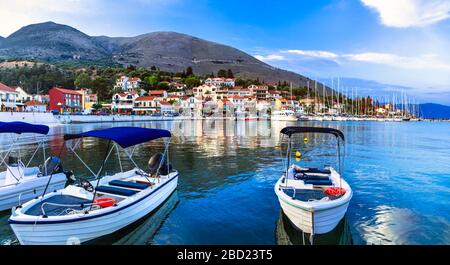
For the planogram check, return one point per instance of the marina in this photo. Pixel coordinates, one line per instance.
(228, 170)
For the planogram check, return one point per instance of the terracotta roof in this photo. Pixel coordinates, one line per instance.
(145, 98)
(164, 103)
(34, 103)
(156, 92)
(6, 88)
(67, 91)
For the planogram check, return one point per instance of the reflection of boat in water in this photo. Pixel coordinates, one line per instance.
(143, 231)
(287, 234)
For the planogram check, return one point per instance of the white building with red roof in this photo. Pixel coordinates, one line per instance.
(127, 84)
(35, 106)
(123, 102)
(8, 97)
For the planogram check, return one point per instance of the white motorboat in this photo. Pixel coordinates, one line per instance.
(92, 209)
(283, 115)
(21, 182)
(314, 200)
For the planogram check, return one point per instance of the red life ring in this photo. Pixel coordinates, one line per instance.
(335, 191)
(105, 202)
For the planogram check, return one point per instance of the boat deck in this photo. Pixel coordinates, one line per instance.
(307, 194)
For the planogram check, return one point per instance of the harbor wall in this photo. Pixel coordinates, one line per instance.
(109, 118)
(30, 117)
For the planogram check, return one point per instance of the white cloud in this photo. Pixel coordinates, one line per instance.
(316, 54)
(270, 57)
(410, 13)
(427, 61)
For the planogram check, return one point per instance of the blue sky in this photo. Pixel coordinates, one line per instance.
(404, 43)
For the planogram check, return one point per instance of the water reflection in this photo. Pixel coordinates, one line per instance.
(399, 173)
(287, 234)
(143, 231)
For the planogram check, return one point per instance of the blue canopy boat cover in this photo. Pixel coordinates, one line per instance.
(22, 127)
(124, 136)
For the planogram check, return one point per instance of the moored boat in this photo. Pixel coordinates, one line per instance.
(283, 115)
(92, 209)
(314, 200)
(21, 182)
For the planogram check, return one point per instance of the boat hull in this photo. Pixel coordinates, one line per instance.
(314, 217)
(16, 194)
(323, 221)
(79, 231)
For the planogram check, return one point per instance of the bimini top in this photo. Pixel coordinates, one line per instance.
(124, 136)
(298, 129)
(22, 127)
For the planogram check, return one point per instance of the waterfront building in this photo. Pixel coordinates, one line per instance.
(205, 91)
(88, 99)
(127, 84)
(260, 92)
(146, 105)
(8, 98)
(281, 103)
(123, 102)
(166, 107)
(158, 93)
(225, 105)
(35, 106)
(23, 95)
(263, 105)
(242, 92)
(220, 82)
(62, 99)
(274, 94)
(42, 98)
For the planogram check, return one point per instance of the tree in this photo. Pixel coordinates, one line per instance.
(97, 106)
(152, 81)
(230, 74)
(102, 87)
(222, 73)
(83, 80)
(192, 81)
(189, 71)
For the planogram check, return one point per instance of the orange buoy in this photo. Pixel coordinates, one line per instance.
(105, 202)
(335, 191)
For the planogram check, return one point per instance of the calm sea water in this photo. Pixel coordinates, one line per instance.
(400, 174)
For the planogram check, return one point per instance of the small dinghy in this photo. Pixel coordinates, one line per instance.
(21, 182)
(92, 209)
(313, 199)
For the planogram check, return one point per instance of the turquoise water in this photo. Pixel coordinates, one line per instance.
(399, 172)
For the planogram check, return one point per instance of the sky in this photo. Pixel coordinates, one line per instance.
(398, 44)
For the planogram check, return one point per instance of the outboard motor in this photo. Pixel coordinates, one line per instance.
(155, 161)
(13, 161)
(52, 165)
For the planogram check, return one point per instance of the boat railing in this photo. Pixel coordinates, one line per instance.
(82, 205)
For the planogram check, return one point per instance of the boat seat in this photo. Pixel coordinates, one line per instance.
(115, 190)
(314, 170)
(319, 182)
(303, 176)
(128, 184)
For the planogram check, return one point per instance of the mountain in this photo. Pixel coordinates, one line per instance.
(50, 41)
(437, 111)
(170, 51)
